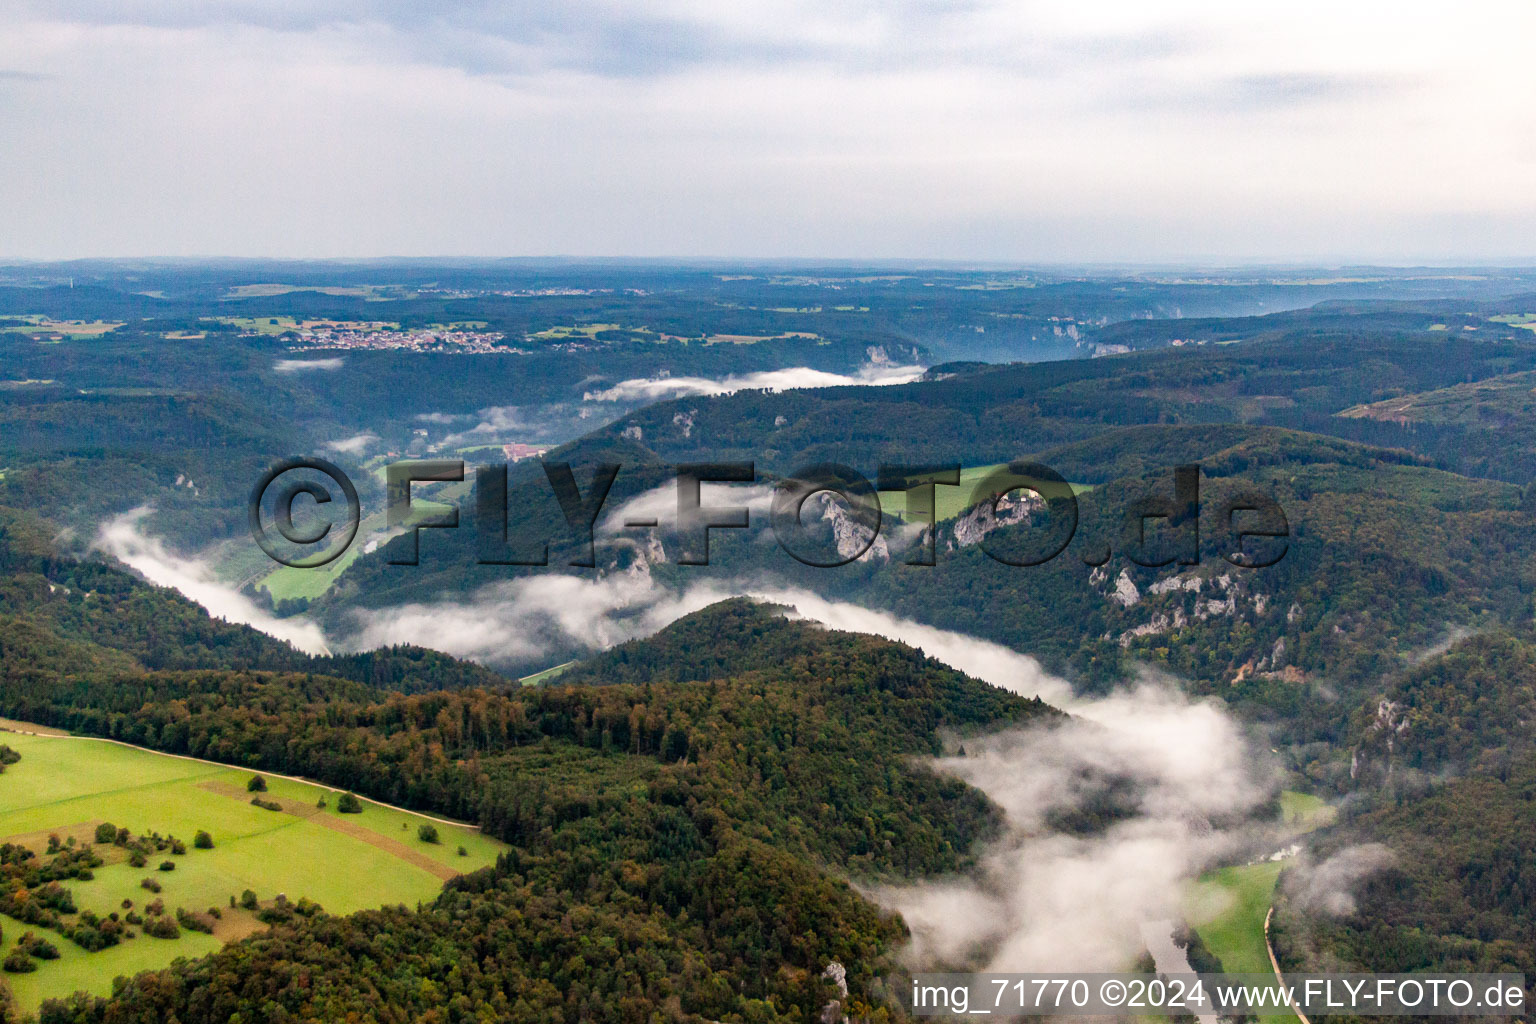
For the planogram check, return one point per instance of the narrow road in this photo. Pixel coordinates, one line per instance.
(1279, 978)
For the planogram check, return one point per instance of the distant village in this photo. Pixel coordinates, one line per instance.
(414, 341)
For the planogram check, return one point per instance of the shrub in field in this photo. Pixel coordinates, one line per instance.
(38, 948)
(193, 921)
(162, 927)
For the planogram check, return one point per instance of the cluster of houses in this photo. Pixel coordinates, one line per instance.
(415, 341)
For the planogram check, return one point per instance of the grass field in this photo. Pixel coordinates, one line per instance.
(546, 675)
(1526, 320)
(564, 332)
(263, 291)
(275, 325)
(74, 330)
(1304, 812)
(285, 582)
(1227, 906)
(344, 862)
(952, 501)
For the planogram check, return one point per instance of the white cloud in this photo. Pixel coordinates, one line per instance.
(1329, 888)
(304, 365)
(660, 504)
(356, 444)
(1049, 899)
(1109, 130)
(652, 389)
(195, 580)
(523, 620)
(528, 423)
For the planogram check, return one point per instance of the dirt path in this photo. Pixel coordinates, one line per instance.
(1279, 978)
(308, 812)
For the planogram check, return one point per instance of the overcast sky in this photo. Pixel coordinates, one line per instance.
(1138, 131)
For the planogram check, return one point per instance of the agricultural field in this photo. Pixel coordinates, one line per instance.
(67, 787)
(275, 325)
(592, 332)
(1526, 320)
(372, 293)
(565, 333)
(753, 339)
(71, 330)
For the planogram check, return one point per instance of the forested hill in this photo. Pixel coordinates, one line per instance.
(1445, 764)
(1300, 376)
(736, 636)
(678, 845)
(1384, 558)
(58, 613)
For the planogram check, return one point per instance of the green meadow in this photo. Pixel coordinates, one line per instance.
(351, 862)
(546, 675)
(1227, 906)
(1237, 899)
(284, 582)
(951, 500)
(1304, 812)
(562, 332)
